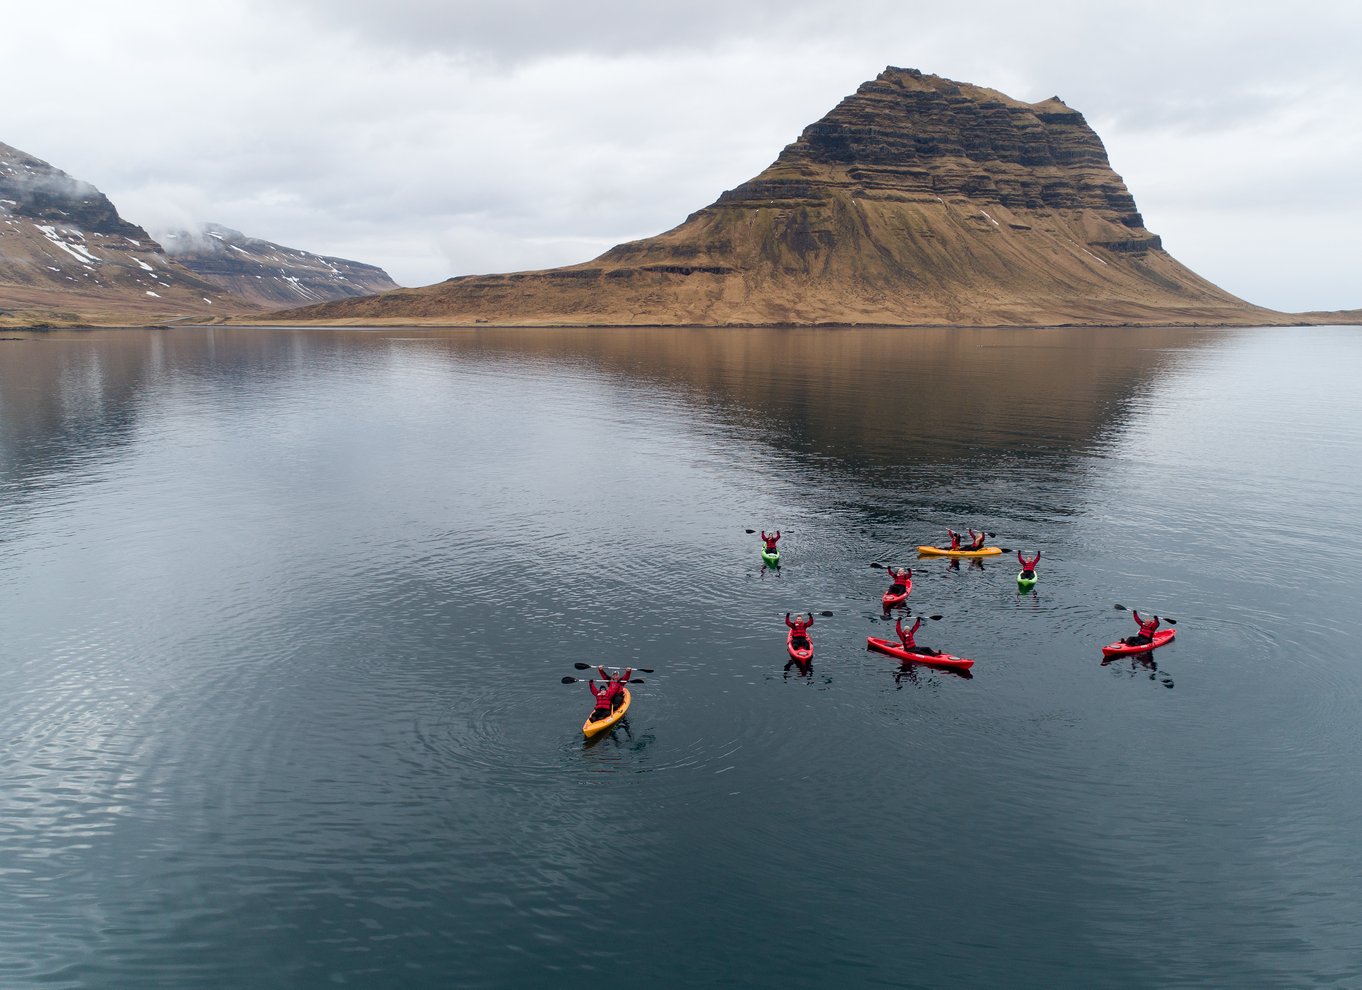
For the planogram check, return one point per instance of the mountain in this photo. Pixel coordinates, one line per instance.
(917, 200)
(66, 256)
(269, 274)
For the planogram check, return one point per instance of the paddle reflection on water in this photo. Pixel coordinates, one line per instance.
(1140, 663)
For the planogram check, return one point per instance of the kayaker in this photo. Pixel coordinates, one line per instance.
(1146, 633)
(614, 684)
(978, 539)
(799, 625)
(1028, 567)
(909, 643)
(604, 701)
(771, 541)
(900, 576)
(955, 539)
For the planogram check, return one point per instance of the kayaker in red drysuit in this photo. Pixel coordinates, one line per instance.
(614, 685)
(909, 643)
(900, 576)
(771, 541)
(955, 539)
(603, 701)
(978, 539)
(1146, 633)
(800, 626)
(1028, 567)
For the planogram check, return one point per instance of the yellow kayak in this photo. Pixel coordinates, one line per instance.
(948, 552)
(590, 728)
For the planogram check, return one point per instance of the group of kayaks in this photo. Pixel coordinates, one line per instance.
(799, 644)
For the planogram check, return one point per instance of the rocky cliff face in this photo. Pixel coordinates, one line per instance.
(269, 274)
(917, 200)
(67, 256)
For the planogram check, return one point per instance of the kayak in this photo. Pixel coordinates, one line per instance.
(1025, 584)
(948, 552)
(1121, 648)
(932, 659)
(771, 557)
(892, 597)
(802, 653)
(590, 728)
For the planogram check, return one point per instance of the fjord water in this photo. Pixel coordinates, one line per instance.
(285, 615)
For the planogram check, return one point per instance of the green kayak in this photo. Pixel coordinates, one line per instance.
(772, 557)
(1025, 583)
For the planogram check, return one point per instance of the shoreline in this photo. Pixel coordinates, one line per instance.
(187, 323)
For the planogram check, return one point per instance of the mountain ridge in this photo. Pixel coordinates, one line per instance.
(68, 258)
(917, 200)
(270, 274)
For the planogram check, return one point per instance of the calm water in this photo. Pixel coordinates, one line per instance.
(285, 616)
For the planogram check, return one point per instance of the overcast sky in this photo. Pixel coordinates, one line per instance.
(439, 137)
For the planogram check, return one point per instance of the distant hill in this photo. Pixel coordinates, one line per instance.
(269, 274)
(917, 200)
(66, 256)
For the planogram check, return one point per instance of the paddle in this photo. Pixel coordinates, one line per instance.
(1165, 618)
(783, 532)
(582, 680)
(591, 666)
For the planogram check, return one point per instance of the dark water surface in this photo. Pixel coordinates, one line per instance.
(284, 614)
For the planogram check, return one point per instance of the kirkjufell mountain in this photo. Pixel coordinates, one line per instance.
(68, 257)
(918, 200)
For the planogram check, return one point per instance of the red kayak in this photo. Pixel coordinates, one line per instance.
(1121, 648)
(898, 593)
(932, 659)
(800, 647)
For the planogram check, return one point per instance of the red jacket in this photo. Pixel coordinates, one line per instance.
(602, 695)
(901, 576)
(1028, 565)
(1146, 627)
(771, 541)
(955, 539)
(614, 687)
(799, 625)
(978, 538)
(906, 636)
